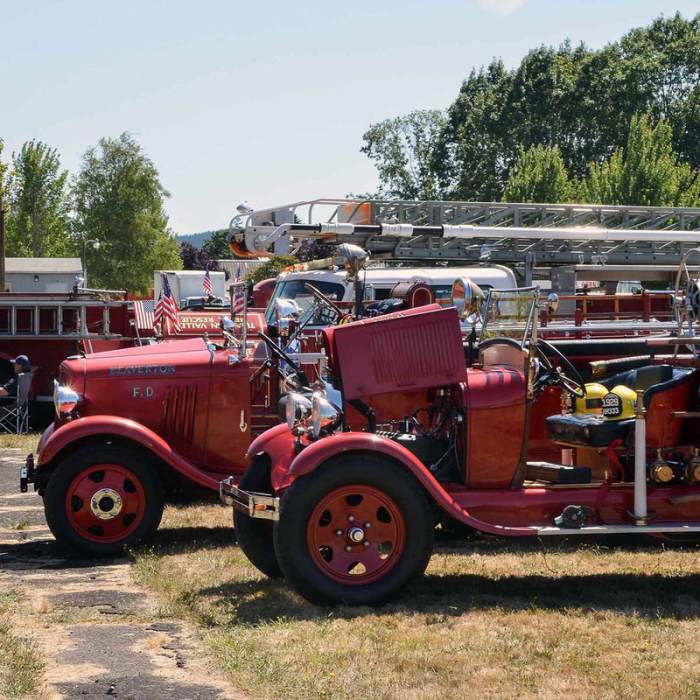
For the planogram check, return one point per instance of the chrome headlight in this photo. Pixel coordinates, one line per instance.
(64, 399)
(297, 408)
(323, 414)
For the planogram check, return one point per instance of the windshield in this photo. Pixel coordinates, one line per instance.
(509, 313)
(296, 289)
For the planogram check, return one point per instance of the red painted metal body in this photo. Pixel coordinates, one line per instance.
(205, 408)
(186, 403)
(491, 497)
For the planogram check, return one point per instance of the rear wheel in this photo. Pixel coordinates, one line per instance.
(354, 531)
(99, 499)
(254, 535)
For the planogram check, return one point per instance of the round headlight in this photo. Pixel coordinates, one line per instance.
(297, 407)
(64, 399)
(323, 414)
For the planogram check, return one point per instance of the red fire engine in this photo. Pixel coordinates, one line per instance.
(347, 514)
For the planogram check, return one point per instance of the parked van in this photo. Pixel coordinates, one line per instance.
(380, 281)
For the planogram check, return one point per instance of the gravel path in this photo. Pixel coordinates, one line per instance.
(99, 633)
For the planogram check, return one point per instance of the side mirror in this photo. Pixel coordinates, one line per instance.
(286, 312)
(467, 298)
(552, 303)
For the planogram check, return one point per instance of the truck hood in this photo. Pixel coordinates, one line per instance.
(147, 360)
(147, 352)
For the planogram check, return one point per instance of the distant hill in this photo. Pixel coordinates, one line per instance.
(196, 239)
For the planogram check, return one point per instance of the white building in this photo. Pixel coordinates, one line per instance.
(32, 275)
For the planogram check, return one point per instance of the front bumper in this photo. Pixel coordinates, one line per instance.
(255, 505)
(26, 474)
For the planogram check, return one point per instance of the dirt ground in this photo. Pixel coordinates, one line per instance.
(96, 633)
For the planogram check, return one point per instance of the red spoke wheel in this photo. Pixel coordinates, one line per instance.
(99, 499)
(355, 531)
(356, 534)
(105, 503)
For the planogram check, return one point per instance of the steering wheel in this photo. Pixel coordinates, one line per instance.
(570, 378)
(280, 354)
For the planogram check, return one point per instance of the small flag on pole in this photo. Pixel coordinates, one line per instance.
(166, 310)
(239, 294)
(206, 284)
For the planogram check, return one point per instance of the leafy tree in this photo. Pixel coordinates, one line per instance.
(577, 99)
(194, 258)
(216, 246)
(403, 152)
(270, 268)
(38, 205)
(3, 168)
(119, 202)
(647, 171)
(539, 175)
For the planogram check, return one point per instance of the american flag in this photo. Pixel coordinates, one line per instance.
(239, 294)
(166, 310)
(206, 284)
(144, 313)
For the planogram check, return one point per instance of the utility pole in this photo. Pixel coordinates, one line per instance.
(2, 244)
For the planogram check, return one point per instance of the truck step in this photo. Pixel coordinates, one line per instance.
(668, 528)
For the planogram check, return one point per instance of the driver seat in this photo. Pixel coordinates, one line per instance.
(666, 389)
(502, 352)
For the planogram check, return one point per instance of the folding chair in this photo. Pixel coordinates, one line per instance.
(14, 417)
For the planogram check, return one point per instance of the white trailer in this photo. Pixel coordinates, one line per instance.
(187, 284)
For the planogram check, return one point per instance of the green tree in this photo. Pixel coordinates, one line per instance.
(38, 203)
(216, 246)
(577, 99)
(270, 268)
(539, 175)
(646, 171)
(118, 201)
(403, 152)
(3, 169)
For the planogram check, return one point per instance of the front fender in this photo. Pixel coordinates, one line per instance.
(278, 444)
(318, 452)
(54, 440)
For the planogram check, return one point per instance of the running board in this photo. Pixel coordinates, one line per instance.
(616, 529)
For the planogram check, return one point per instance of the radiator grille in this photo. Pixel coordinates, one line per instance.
(179, 409)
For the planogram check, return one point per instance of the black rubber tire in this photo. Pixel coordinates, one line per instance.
(254, 535)
(140, 463)
(299, 501)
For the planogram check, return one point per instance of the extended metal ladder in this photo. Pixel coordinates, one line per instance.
(499, 232)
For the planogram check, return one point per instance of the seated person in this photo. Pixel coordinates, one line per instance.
(8, 391)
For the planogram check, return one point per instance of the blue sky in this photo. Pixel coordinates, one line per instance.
(264, 101)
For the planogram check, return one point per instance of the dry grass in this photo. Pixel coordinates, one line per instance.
(20, 662)
(490, 619)
(27, 442)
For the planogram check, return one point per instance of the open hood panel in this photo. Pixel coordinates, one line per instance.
(408, 350)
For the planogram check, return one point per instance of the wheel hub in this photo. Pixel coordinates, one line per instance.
(106, 504)
(356, 534)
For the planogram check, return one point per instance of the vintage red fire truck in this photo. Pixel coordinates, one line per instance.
(136, 424)
(348, 515)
